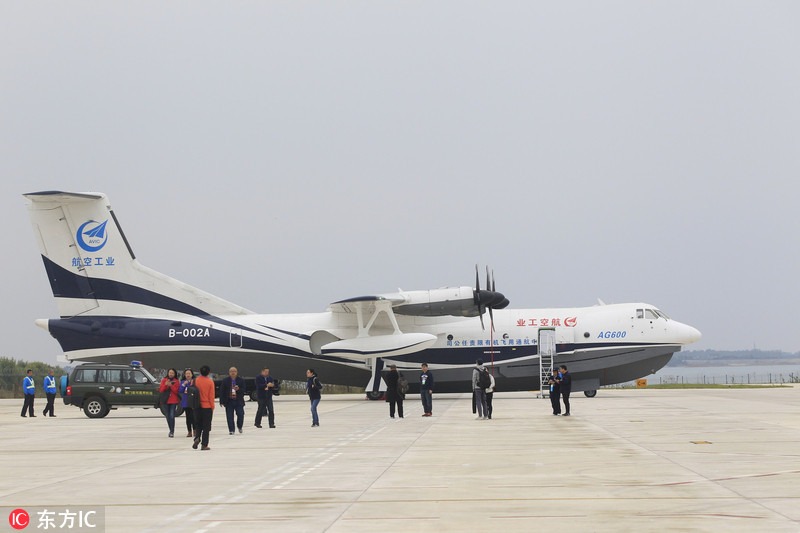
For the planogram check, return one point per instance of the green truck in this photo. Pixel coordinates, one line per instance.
(98, 387)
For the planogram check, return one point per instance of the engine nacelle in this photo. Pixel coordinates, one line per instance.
(448, 301)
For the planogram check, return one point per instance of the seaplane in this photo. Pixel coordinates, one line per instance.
(114, 309)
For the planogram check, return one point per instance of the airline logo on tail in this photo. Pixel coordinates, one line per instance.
(92, 235)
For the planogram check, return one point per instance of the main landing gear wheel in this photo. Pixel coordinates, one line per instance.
(371, 395)
(590, 393)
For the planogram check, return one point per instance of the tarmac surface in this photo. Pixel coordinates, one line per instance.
(627, 460)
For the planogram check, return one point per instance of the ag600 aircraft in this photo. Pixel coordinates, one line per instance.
(114, 309)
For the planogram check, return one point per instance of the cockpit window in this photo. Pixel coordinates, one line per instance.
(640, 313)
(650, 314)
(662, 314)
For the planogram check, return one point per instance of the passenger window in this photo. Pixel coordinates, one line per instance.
(86, 375)
(139, 377)
(649, 313)
(109, 376)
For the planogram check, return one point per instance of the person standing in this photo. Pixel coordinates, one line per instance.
(231, 395)
(170, 383)
(566, 387)
(479, 385)
(204, 415)
(188, 412)
(555, 392)
(50, 392)
(314, 390)
(426, 390)
(490, 395)
(29, 393)
(264, 388)
(393, 393)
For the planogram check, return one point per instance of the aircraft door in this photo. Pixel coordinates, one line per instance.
(236, 338)
(109, 380)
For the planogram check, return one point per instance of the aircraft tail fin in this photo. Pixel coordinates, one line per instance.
(93, 270)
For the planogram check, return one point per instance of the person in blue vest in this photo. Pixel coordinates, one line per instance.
(264, 389)
(50, 392)
(29, 392)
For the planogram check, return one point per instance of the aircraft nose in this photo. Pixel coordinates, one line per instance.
(690, 334)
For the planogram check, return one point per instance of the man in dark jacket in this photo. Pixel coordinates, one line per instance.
(231, 395)
(565, 386)
(314, 391)
(265, 386)
(426, 390)
(393, 395)
(555, 392)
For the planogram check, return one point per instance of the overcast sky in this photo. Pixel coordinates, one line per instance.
(284, 155)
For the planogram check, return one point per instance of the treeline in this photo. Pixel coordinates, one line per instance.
(732, 355)
(12, 372)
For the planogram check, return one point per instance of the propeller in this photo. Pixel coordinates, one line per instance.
(489, 298)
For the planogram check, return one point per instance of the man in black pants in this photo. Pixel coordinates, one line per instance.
(264, 388)
(555, 393)
(565, 387)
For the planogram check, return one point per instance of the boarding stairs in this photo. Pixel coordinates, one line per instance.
(547, 356)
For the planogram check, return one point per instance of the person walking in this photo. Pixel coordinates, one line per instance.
(231, 395)
(50, 392)
(265, 386)
(29, 393)
(171, 384)
(555, 392)
(394, 395)
(314, 390)
(426, 390)
(566, 387)
(188, 412)
(204, 415)
(480, 382)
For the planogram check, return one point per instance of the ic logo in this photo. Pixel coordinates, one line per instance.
(93, 238)
(19, 519)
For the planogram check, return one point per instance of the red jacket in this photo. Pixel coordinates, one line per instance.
(173, 390)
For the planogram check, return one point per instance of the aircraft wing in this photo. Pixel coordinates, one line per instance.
(448, 301)
(367, 304)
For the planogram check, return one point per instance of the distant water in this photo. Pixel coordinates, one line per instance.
(726, 374)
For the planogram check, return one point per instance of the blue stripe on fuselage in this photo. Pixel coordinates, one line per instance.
(85, 333)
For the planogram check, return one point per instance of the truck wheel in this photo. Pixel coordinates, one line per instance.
(95, 407)
(590, 393)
